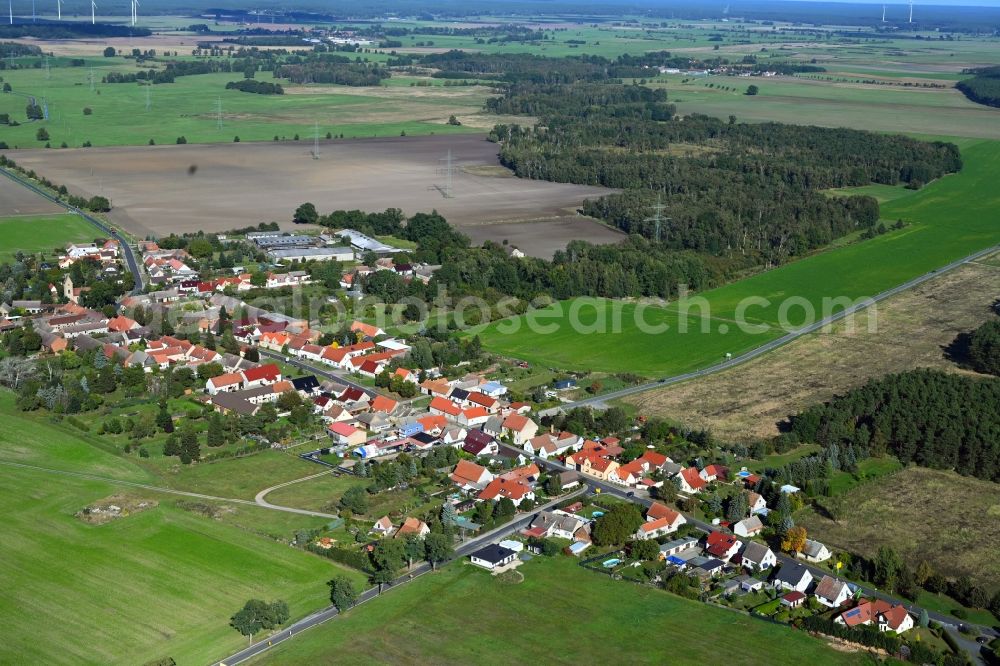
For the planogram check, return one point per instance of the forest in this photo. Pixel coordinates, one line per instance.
(331, 69)
(924, 417)
(749, 193)
(984, 348)
(259, 87)
(636, 267)
(984, 87)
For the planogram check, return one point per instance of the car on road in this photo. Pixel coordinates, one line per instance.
(630, 494)
(983, 640)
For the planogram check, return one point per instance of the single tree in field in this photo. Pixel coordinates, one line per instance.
(342, 593)
(305, 214)
(257, 615)
(752, 90)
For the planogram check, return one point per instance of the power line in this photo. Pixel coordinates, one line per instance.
(657, 219)
(149, 96)
(218, 113)
(449, 168)
(315, 140)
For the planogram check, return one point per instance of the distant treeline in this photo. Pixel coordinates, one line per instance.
(748, 192)
(926, 417)
(259, 87)
(984, 87)
(69, 30)
(170, 72)
(15, 50)
(333, 69)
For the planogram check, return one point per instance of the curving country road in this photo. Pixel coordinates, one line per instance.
(600, 400)
(127, 252)
(260, 501)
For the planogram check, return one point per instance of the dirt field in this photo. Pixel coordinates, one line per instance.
(18, 200)
(747, 401)
(235, 185)
(882, 513)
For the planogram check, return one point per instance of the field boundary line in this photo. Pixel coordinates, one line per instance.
(160, 489)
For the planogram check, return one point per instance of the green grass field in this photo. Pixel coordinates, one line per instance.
(32, 234)
(159, 583)
(948, 219)
(560, 614)
(188, 108)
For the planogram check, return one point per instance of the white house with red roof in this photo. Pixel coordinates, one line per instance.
(232, 381)
(651, 529)
(721, 545)
(444, 407)
(344, 434)
(691, 481)
(262, 375)
(470, 476)
(714, 473)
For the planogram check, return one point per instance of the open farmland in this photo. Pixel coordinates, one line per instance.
(881, 513)
(747, 401)
(948, 219)
(16, 199)
(527, 623)
(42, 233)
(160, 582)
(235, 185)
(873, 107)
(189, 108)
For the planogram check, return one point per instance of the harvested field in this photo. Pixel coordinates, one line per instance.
(747, 401)
(19, 200)
(235, 185)
(881, 513)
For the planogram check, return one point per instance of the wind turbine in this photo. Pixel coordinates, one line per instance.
(911, 11)
(10, 8)
(883, 13)
(135, 12)
(93, 6)
(59, 8)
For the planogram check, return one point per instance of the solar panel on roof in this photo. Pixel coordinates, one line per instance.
(852, 613)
